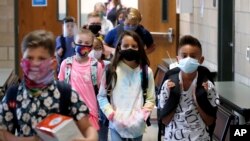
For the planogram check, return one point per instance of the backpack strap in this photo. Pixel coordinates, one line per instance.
(93, 72)
(65, 92)
(69, 62)
(63, 44)
(10, 99)
(144, 85)
(174, 96)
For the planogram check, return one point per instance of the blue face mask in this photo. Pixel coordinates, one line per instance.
(130, 28)
(188, 65)
(120, 21)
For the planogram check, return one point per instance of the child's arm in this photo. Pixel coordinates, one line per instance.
(150, 97)
(103, 100)
(79, 111)
(213, 99)
(87, 130)
(6, 136)
(61, 75)
(59, 49)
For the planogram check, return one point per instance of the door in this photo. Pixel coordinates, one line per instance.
(33, 18)
(158, 16)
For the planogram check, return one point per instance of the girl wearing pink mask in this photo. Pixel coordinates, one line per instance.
(78, 71)
(38, 95)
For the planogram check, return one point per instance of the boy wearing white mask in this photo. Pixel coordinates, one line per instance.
(188, 99)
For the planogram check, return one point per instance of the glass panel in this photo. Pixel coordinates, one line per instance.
(87, 6)
(164, 11)
(62, 9)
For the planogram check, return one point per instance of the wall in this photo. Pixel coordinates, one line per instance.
(7, 37)
(242, 40)
(204, 27)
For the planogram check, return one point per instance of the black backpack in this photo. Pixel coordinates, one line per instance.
(201, 95)
(64, 89)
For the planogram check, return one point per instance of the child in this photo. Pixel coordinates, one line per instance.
(129, 84)
(39, 95)
(94, 24)
(106, 24)
(64, 42)
(132, 23)
(98, 53)
(79, 71)
(188, 98)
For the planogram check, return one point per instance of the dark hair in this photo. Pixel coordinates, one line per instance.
(143, 61)
(189, 40)
(69, 19)
(39, 38)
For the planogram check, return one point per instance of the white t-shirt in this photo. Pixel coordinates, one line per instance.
(187, 123)
(106, 26)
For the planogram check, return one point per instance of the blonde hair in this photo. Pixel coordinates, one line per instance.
(93, 14)
(86, 32)
(133, 14)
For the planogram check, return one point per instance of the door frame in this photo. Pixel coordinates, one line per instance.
(16, 28)
(226, 41)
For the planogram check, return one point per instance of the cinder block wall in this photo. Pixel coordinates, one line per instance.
(204, 27)
(242, 40)
(7, 36)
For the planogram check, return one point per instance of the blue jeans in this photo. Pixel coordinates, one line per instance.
(116, 137)
(103, 133)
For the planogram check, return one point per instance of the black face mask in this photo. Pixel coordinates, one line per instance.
(95, 28)
(130, 55)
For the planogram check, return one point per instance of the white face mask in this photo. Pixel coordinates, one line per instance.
(95, 54)
(188, 65)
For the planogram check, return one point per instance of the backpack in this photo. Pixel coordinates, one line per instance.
(93, 71)
(201, 95)
(144, 85)
(11, 95)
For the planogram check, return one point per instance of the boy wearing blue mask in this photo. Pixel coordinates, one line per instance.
(188, 99)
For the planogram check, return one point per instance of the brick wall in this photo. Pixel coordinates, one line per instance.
(7, 36)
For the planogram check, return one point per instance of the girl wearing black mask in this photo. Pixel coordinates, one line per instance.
(123, 83)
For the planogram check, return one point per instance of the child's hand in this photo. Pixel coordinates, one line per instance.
(205, 85)
(170, 84)
(60, 51)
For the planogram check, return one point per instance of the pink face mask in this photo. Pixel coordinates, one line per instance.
(37, 76)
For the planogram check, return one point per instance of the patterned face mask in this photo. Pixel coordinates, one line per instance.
(82, 50)
(37, 75)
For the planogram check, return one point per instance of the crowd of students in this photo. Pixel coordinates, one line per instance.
(104, 71)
